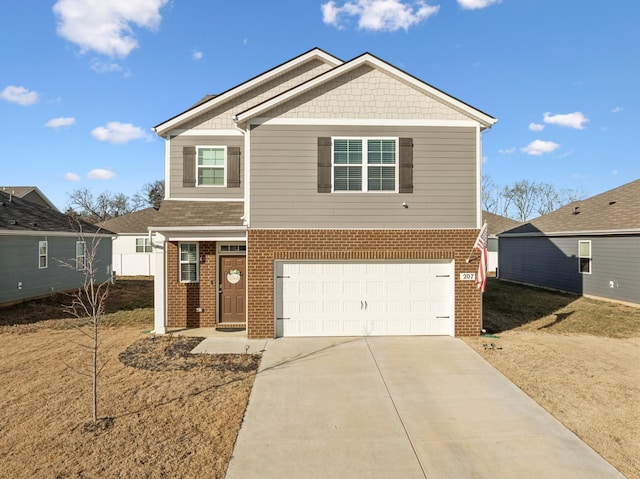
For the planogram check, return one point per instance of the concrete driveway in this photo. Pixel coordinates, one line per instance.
(398, 407)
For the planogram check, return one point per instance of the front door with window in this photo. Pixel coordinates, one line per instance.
(233, 287)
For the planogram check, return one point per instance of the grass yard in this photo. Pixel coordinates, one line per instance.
(165, 413)
(578, 358)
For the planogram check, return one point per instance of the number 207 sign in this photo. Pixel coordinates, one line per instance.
(467, 276)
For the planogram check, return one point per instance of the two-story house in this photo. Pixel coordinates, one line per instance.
(321, 198)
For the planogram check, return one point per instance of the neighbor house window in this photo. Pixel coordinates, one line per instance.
(364, 164)
(143, 245)
(584, 256)
(210, 165)
(43, 254)
(188, 262)
(81, 255)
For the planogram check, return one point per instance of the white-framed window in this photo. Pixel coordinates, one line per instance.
(81, 255)
(365, 164)
(584, 256)
(210, 165)
(143, 245)
(233, 248)
(43, 254)
(189, 263)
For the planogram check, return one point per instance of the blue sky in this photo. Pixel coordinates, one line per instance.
(82, 82)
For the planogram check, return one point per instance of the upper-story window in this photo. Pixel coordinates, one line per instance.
(211, 162)
(365, 164)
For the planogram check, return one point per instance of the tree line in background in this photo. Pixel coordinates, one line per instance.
(94, 209)
(525, 199)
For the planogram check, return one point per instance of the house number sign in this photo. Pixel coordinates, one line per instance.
(233, 276)
(467, 276)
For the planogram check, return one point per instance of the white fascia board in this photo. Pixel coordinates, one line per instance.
(167, 168)
(211, 200)
(163, 128)
(633, 231)
(484, 119)
(206, 132)
(196, 228)
(204, 237)
(361, 122)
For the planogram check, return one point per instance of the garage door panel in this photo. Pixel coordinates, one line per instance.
(360, 298)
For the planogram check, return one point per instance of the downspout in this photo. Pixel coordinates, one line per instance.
(246, 134)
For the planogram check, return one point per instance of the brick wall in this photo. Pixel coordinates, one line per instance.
(184, 298)
(265, 246)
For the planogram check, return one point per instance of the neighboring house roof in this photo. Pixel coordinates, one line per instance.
(496, 224)
(485, 120)
(29, 193)
(136, 222)
(18, 215)
(199, 213)
(614, 211)
(212, 101)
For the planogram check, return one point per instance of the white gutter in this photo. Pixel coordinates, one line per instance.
(197, 228)
(54, 233)
(633, 231)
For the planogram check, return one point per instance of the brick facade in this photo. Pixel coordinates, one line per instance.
(266, 246)
(184, 298)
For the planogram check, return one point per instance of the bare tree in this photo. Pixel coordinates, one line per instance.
(521, 199)
(151, 194)
(490, 195)
(88, 304)
(105, 206)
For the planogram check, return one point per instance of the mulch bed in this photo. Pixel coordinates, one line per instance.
(173, 353)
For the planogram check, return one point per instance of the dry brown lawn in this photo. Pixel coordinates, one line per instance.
(179, 420)
(169, 414)
(577, 357)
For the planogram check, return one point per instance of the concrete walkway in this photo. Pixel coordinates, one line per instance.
(401, 408)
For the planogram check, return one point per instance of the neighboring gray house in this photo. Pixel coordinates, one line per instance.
(321, 198)
(35, 241)
(496, 224)
(589, 247)
(29, 193)
(132, 250)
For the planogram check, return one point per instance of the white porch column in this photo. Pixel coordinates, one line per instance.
(159, 285)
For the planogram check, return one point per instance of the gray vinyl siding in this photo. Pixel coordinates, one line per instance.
(284, 181)
(178, 191)
(19, 263)
(553, 263)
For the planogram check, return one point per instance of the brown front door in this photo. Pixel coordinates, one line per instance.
(232, 289)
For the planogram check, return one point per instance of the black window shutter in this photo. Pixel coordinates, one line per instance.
(233, 167)
(406, 165)
(324, 165)
(188, 166)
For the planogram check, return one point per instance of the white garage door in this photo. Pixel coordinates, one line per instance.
(364, 299)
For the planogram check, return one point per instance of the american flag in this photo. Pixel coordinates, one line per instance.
(481, 246)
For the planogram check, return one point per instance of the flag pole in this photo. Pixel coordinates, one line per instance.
(474, 246)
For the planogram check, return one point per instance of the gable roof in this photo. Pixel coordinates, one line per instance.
(27, 193)
(485, 120)
(614, 211)
(211, 101)
(18, 215)
(496, 224)
(136, 222)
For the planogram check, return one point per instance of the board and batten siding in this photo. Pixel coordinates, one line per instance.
(179, 191)
(284, 180)
(552, 262)
(19, 264)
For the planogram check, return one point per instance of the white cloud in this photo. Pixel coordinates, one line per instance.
(476, 4)
(100, 174)
(536, 127)
(507, 151)
(59, 122)
(196, 55)
(104, 67)
(379, 15)
(540, 147)
(617, 109)
(570, 120)
(71, 176)
(106, 26)
(19, 95)
(116, 132)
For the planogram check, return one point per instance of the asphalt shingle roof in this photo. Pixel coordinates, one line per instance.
(614, 210)
(17, 214)
(136, 222)
(199, 213)
(496, 224)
